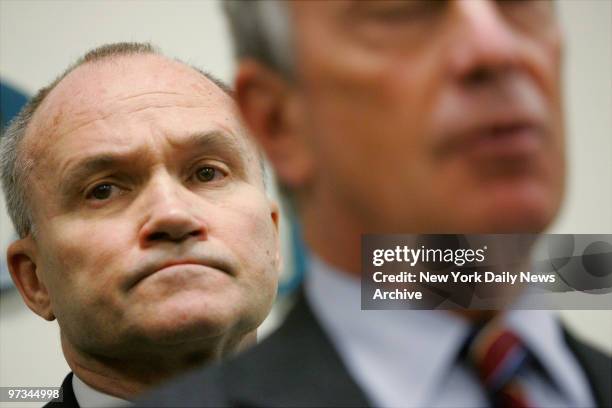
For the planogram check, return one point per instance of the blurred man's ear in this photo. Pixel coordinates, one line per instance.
(21, 257)
(274, 116)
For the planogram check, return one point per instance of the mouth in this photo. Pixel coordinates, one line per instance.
(514, 139)
(177, 266)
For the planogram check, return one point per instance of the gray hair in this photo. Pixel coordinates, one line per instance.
(260, 30)
(15, 165)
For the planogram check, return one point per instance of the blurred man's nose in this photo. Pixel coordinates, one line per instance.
(170, 214)
(484, 43)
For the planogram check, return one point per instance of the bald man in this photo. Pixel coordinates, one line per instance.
(144, 226)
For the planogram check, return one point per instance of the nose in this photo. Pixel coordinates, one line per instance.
(484, 42)
(169, 215)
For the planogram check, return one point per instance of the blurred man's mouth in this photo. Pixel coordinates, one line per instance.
(508, 121)
(515, 140)
(514, 135)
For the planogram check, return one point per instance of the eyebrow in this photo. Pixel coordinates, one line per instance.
(92, 165)
(220, 144)
(214, 143)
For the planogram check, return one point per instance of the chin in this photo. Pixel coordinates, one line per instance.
(518, 221)
(191, 319)
(518, 211)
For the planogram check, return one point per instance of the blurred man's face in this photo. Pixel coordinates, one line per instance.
(433, 116)
(152, 224)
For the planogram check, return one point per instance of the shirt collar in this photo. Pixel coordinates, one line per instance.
(88, 397)
(379, 347)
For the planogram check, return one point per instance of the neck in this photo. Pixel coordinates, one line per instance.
(127, 379)
(335, 237)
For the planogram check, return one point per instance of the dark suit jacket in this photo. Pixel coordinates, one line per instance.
(67, 393)
(298, 366)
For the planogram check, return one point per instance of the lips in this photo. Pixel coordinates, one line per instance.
(511, 136)
(508, 119)
(515, 140)
(175, 265)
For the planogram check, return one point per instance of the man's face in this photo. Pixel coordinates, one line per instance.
(152, 224)
(433, 116)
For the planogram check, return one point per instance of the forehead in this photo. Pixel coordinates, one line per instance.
(117, 99)
(309, 17)
(96, 86)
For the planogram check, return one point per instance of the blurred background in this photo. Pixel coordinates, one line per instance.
(39, 39)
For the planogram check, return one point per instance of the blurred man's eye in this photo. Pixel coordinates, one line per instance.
(394, 24)
(526, 11)
(401, 11)
(102, 191)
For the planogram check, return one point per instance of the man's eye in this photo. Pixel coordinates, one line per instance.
(101, 191)
(207, 174)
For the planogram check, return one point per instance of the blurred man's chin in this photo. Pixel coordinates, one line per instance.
(513, 210)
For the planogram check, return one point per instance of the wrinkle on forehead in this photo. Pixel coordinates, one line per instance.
(62, 131)
(126, 98)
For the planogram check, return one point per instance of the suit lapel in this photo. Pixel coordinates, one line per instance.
(295, 366)
(597, 367)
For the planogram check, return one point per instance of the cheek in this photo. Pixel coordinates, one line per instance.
(372, 133)
(82, 256)
(371, 113)
(251, 238)
(245, 226)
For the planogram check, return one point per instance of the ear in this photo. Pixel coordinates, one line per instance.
(21, 257)
(273, 113)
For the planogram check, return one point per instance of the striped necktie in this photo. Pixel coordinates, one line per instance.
(498, 355)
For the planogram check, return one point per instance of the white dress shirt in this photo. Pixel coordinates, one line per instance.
(409, 358)
(87, 397)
